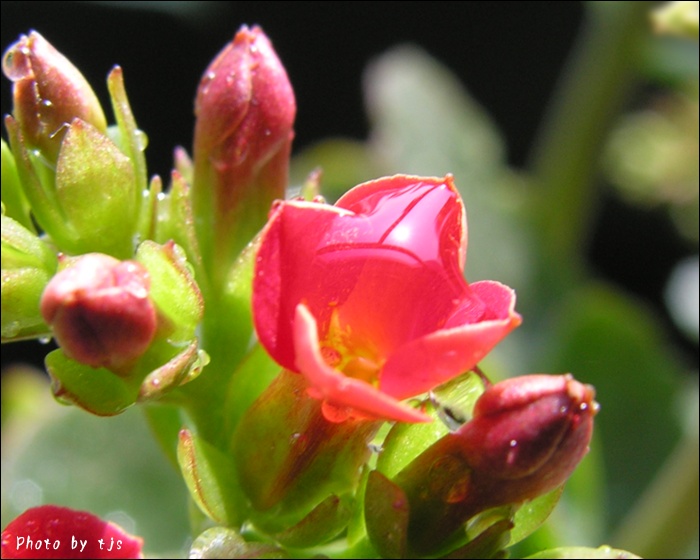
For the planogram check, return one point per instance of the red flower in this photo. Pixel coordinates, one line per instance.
(59, 532)
(368, 300)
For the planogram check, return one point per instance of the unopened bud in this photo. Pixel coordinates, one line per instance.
(525, 438)
(245, 110)
(100, 311)
(49, 92)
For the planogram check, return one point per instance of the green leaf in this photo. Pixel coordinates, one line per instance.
(111, 467)
(426, 123)
(615, 344)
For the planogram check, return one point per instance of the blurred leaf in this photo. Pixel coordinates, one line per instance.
(110, 467)
(616, 345)
(343, 163)
(425, 123)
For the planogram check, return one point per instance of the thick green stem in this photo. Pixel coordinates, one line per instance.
(565, 159)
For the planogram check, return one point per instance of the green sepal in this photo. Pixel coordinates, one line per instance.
(306, 457)
(181, 369)
(387, 512)
(405, 442)
(173, 290)
(27, 266)
(14, 200)
(211, 478)
(37, 178)
(531, 515)
(323, 523)
(490, 542)
(131, 141)
(175, 220)
(96, 390)
(95, 187)
(253, 374)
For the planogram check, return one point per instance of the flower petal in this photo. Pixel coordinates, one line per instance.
(431, 360)
(402, 240)
(335, 388)
(58, 532)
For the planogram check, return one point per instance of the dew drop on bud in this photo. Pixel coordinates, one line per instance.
(15, 64)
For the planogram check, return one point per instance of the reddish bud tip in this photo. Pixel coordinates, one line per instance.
(100, 311)
(535, 427)
(49, 92)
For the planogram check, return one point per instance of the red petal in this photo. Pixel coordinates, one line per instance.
(391, 266)
(433, 359)
(337, 389)
(58, 532)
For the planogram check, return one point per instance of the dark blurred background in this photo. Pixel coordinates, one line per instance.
(509, 56)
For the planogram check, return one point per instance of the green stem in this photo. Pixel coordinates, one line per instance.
(565, 158)
(664, 522)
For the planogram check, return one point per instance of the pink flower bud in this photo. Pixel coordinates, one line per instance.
(58, 532)
(245, 110)
(526, 437)
(100, 311)
(49, 92)
(534, 428)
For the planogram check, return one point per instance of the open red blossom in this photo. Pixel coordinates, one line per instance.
(367, 298)
(58, 532)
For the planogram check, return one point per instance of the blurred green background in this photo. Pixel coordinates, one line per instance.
(572, 132)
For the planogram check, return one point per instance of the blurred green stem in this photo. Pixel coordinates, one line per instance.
(599, 75)
(665, 519)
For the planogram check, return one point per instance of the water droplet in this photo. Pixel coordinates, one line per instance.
(10, 329)
(141, 140)
(375, 448)
(16, 64)
(44, 340)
